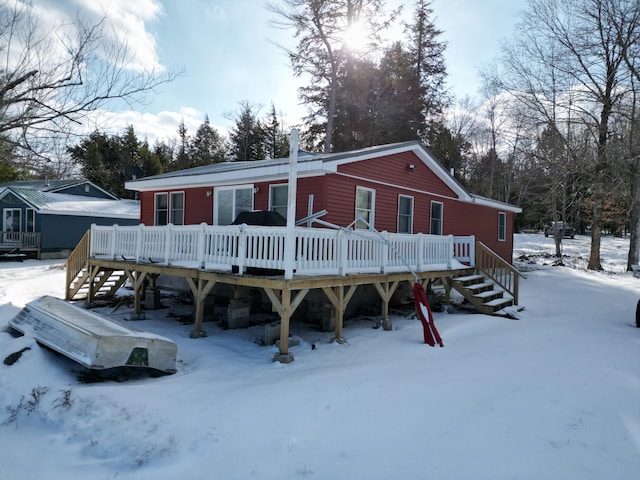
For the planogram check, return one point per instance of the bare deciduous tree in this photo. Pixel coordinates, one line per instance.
(571, 49)
(53, 75)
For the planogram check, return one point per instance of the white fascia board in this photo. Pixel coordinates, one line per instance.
(244, 175)
(496, 204)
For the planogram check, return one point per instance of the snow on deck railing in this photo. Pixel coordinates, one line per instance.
(318, 250)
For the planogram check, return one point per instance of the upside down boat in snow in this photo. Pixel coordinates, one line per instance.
(92, 340)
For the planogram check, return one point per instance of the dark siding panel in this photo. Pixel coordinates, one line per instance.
(80, 190)
(65, 231)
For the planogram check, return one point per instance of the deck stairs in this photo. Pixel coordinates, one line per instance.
(105, 282)
(483, 293)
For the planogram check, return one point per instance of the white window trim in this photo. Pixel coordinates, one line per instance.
(217, 190)
(441, 216)
(372, 210)
(411, 199)
(502, 215)
(271, 188)
(170, 206)
(155, 206)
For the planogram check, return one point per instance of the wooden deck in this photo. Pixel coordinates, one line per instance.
(335, 262)
(20, 243)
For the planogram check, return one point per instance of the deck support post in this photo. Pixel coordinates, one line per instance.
(200, 292)
(137, 281)
(339, 300)
(386, 291)
(91, 292)
(281, 302)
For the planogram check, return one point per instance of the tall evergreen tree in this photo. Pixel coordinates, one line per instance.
(322, 31)
(246, 136)
(276, 142)
(427, 52)
(183, 156)
(208, 146)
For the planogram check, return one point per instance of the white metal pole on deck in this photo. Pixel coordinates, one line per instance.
(290, 240)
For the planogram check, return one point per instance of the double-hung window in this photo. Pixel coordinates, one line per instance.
(230, 201)
(405, 214)
(169, 208)
(365, 199)
(436, 218)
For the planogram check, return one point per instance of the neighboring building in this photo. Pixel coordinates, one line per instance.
(398, 188)
(50, 217)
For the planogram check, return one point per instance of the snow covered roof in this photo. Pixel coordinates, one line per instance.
(47, 185)
(51, 203)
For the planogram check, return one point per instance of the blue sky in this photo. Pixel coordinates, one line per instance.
(228, 52)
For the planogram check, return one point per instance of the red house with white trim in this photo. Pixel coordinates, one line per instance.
(397, 188)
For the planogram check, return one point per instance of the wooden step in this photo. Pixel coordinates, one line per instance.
(489, 295)
(498, 304)
(477, 288)
(469, 280)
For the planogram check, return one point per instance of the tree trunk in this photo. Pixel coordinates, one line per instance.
(331, 111)
(634, 242)
(596, 230)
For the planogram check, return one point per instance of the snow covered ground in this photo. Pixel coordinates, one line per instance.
(554, 395)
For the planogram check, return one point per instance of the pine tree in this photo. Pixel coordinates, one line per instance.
(276, 142)
(246, 136)
(427, 52)
(183, 156)
(208, 146)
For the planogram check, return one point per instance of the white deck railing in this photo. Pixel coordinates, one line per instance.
(317, 250)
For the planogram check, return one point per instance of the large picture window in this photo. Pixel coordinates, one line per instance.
(365, 198)
(502, 226)
(230, 201)
(405, 214)
(436, 218)
(279, 198)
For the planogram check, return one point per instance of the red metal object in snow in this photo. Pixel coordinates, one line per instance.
(431, 335)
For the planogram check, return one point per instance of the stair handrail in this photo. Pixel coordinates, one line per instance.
(77, 261)
(492, 265)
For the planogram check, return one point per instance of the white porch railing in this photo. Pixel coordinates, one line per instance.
(317, 250)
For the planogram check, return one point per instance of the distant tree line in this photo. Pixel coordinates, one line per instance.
(109, 160)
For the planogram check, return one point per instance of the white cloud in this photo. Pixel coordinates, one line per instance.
(161, 126)
(123, 23)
